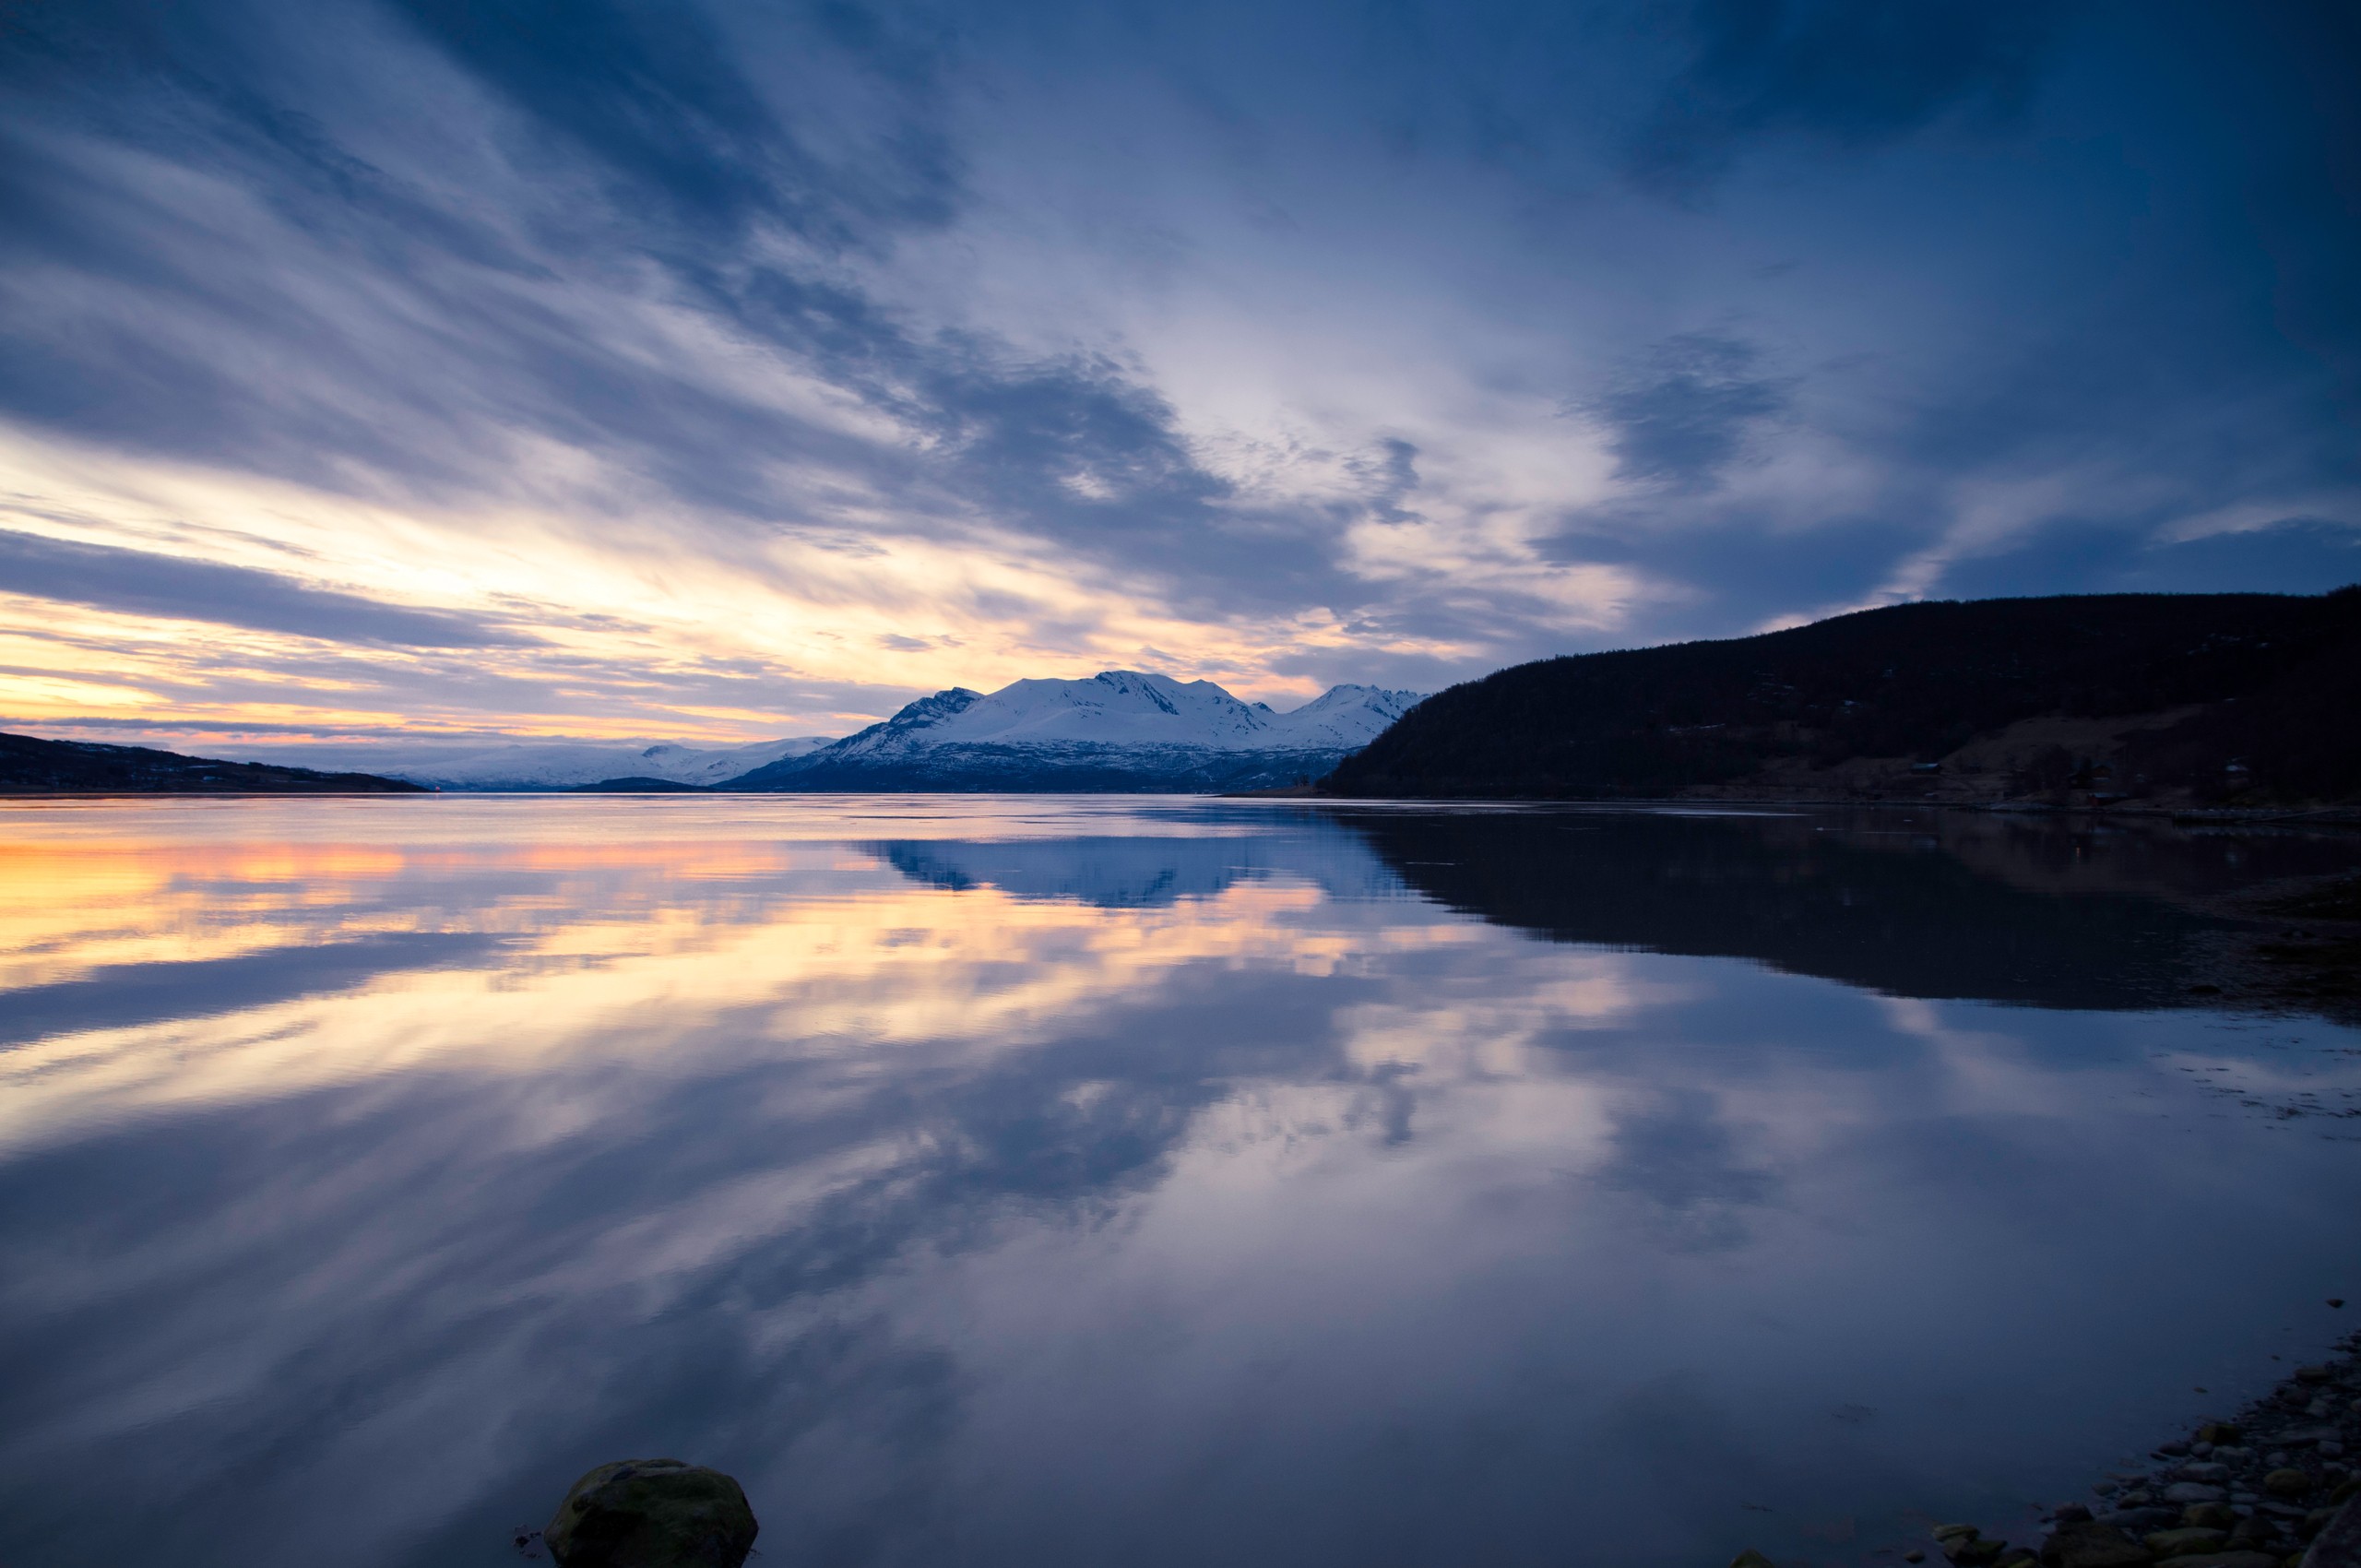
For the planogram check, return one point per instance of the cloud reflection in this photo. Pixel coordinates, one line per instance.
(967, 1191)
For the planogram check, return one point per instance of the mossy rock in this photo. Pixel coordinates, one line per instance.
(2092, 1545)
(2287, 1483)
(2187, 1542)
(652, 1514)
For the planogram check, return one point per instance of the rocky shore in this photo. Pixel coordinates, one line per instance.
(2291, 947)
(2271, 1487)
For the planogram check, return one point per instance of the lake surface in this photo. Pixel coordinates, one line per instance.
(1057, 1181)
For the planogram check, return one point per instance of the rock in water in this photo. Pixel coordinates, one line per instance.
(652, 1514)
(1750, 1558)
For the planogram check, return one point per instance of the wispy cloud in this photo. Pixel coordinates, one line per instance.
(171, 587)
(1850, 73)
(728, 370)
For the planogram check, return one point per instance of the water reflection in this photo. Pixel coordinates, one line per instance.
(2048, 911)
(1053, 1182)
(1127, 872)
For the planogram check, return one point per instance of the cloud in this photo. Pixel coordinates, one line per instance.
(2074, 555)
(1842, 73)
(661, 104)
(1683, 414)
(141, 582)
(1391, 476)
(738, 349)
(1740, 565)
(655, 262)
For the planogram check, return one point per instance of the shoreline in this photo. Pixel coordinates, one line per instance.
(2336, 817)
(2288, 946)
(2272, 1486)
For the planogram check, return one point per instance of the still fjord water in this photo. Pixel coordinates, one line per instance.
(1051, 1181)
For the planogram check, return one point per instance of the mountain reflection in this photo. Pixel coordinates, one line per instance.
(1141, 872)
(2038, 911)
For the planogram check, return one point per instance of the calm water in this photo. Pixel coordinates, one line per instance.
(1051, 1182)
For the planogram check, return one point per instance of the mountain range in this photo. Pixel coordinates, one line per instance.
(557, 764)
(2174, 700)
(1119, 729)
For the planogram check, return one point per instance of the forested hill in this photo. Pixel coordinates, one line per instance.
(32, 767)
(2201, 698)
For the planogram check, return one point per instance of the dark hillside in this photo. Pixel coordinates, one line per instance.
(2203, 697)
(33, 766)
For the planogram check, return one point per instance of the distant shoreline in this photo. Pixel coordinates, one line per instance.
(2335, 817)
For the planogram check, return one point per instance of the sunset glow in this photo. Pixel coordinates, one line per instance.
(375, 374)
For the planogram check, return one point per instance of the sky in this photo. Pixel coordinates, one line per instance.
(711, 371)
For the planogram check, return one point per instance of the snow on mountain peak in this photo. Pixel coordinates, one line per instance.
(1127, 707)
(1348, 716)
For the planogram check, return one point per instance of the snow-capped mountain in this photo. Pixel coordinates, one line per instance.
(1346, 717)
(688, 764)
(1120, 730)
(559, 765)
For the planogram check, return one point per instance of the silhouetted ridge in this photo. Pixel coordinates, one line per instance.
(2222, 697)
(29, 766)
